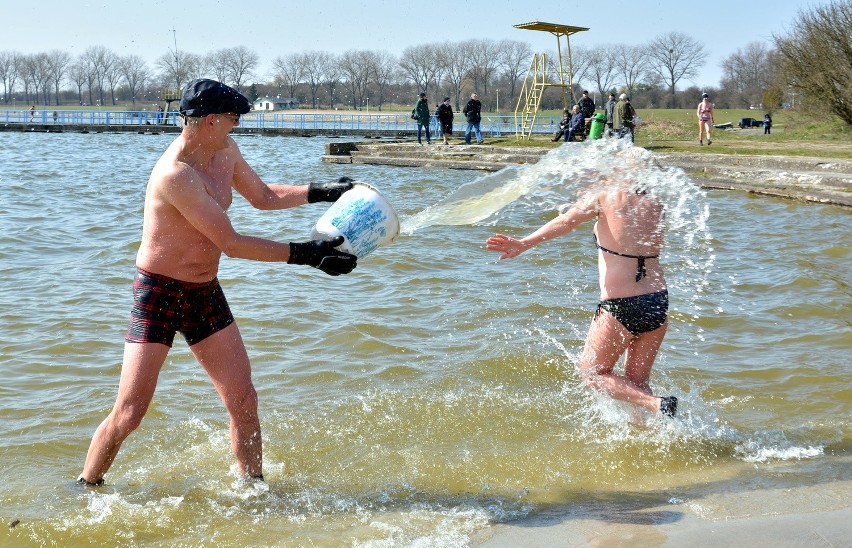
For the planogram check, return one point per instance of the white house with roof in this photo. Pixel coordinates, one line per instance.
(275, 103)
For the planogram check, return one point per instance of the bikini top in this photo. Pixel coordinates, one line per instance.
(640, 268)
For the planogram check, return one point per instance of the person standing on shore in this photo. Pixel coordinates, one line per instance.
(444, 112)
(587, 105)
(767, 124)
(632, 316)
(705, 119)
(32, 113)
(185, 231)
(473, 112)
(610, 110)
(424, 117)
(622, 117)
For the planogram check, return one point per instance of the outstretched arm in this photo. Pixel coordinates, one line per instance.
(563, 224)
(281, 196)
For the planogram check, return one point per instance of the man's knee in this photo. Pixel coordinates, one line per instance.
(127, 418)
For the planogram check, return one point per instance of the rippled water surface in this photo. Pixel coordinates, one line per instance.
(430, 393)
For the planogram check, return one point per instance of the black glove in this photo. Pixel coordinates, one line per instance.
(328, 192)
(321, 254)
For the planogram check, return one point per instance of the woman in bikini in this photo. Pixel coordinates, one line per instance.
(632, 315)
(705, 119)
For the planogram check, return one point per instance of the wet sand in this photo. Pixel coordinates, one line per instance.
(743, 511)
(652, 528)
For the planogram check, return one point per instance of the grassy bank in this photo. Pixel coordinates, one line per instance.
(669, 130)
(676, 130)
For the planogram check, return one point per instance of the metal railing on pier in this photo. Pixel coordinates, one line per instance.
(493, 126)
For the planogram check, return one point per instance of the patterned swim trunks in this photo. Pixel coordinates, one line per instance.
(163, 306)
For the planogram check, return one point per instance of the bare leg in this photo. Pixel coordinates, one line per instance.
(641, 355)
(606, 342)
(139, 372)
(223, 355)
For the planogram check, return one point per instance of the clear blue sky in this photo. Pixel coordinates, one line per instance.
(275, 28)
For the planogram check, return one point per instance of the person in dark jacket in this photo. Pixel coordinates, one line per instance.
(587, 105)
(622, 117)
(473, 112)
(423, 116)
(767, 124)
(563, 124)
(444, 112)
(577, 124)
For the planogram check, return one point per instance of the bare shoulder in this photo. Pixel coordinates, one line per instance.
(590, 202)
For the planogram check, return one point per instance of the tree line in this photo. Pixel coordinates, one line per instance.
(757, 75)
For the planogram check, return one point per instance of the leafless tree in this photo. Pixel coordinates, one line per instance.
(386, 72)
(514, 61)
(484, 55)
(37, 73)
(78, 73)
(112, 74)
(358, 69)
(314, 64)
(289, 72)
(233, 65)
(99, 62)
(179, 67)
(816, 57)
(9, 71)
(215, 62)
(135, 73)
(331, 77)
(631, 62)
(419, 65)
(27, 70)
(746, 74)
(57, 63)
(674, 56)
(603, 68)
(455, 66)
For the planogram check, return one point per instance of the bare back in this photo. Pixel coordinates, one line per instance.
(629, 224)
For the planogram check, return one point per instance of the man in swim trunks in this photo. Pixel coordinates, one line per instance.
(185, 231)
(632, 315)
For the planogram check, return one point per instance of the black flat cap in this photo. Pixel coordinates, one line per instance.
(202, 97)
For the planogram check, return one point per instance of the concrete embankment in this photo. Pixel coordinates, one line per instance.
(802, 178)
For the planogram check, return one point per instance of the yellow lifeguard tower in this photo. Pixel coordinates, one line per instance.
(529, 100)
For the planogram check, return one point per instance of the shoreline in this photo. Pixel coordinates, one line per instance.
(657, 526)
(802, 178)
(750, 507)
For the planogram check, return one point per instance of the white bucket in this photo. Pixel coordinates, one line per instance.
(363, 217)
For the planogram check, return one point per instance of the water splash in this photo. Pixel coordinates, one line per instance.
(568, 172)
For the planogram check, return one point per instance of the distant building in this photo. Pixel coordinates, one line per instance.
(275, 103)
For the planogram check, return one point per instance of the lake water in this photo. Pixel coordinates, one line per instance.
(433, 392)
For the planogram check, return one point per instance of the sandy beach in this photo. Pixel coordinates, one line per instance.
(743, 510)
